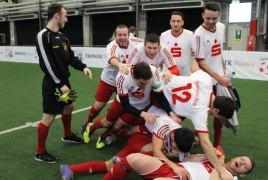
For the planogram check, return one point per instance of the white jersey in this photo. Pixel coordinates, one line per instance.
(209, 45)
(181, 48)
(199, 170)
(163, 56)
(190, 97)
(138, 98)
(162, 128)
(113, 50)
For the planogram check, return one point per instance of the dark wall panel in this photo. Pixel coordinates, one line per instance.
(158, 21)
(74, 30)
(27, 31)
(4, 29)
(104, 25)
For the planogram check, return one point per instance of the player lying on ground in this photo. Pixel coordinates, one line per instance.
(201, 169)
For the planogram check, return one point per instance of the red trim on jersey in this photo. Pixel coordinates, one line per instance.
(158, 136)
(112, 50)
(178, 34)
(208, 29)
(123, 94)
(119, 84)
(135, 50)
(169, 56)
(201, 131)
(161, 131)
(112, 58)
(174, 70)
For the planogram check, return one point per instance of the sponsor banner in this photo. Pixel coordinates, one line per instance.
(247, 65)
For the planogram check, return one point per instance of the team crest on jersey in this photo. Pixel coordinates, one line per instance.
(65, 47)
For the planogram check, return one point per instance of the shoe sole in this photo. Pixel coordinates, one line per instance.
(70, 141)
(86, 134)
(40, 160)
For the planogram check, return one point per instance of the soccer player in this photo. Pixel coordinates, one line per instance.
(138, 142)
(192, 97)
(131, 102)
(154, 54)
(118, 52)
(55, 56)
(208, 42)
(155, 168)
(179, 42)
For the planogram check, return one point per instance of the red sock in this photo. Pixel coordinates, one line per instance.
(89, 167)
(117, 172)
(217, 125)
(96, 125)
(92, 114)
(42, 132)
(108, 132)
(122, 133)
(66, 121)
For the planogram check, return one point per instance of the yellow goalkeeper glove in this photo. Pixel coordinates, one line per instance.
(65, 98)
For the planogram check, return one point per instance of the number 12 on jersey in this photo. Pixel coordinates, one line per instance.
(183, 90)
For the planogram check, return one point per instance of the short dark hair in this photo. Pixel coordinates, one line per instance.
(132, 29)
(252, 163)
(184, 139)
(178, 13)
(121, 26)
(226, 106)
(212, 6)
(153, 38)
(142, 70)
(53, 9)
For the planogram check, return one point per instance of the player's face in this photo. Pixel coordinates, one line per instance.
(176, 23)
(196, 141)
(141, 83)
(239, 165)
(121, 37)
(210, 19)
(151, 49)
(62, 18)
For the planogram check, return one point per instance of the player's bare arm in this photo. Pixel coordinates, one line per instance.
(221, 79)
(167, 76)
(158, 145)
(88, 72)
(212, 157)
(224, 67)
(214, 175)
(123, 68)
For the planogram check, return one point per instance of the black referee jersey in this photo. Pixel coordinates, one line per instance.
(55, 55)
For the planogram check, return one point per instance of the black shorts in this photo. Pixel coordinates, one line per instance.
(50, 104)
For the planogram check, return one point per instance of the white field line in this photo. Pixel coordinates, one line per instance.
(35, 124)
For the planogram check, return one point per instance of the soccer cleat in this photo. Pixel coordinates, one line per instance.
(116, 159)
(86, 134)
(46, 157)
(100, 143)
(66, 173)
(109, 139)
(222, 152)
(72, 139)
(83, 129)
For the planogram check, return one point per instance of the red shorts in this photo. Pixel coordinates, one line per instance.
(116, 111)
(162, 171)
(134, 144)
(104, 92)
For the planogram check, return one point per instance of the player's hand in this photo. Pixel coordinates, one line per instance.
(149, 117)
(88, 72)
(176, 118)
(64, 90)
(123, 68)
(224, 81)
(225, 175)
(167, 76)
(182, 173)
